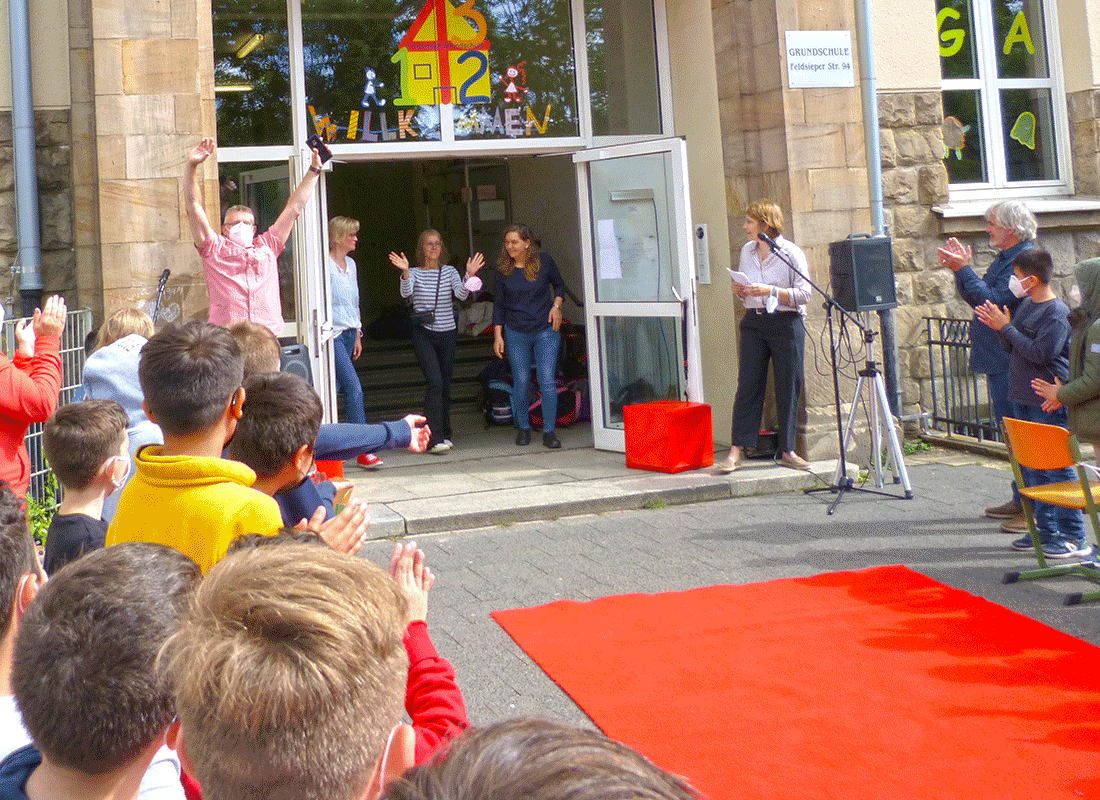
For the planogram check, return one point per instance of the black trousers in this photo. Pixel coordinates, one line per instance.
(436, 353)
(780, 339)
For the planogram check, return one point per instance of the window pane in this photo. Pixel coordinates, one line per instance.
(622, 67)
(642, 361)
(530, 74)
(954, 23)
(1020, 39)
(377, 71)
(251, 69)
(962, 138)
(1029, 135)
(352, 85)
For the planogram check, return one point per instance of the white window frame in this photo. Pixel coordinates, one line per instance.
(988, 86)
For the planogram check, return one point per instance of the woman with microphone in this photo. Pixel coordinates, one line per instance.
(771, 331)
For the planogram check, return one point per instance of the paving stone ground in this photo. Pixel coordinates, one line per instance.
(940, 532)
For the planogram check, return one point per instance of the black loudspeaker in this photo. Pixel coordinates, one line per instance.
(295, 358)
(862, 274)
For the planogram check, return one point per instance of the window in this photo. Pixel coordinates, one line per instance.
(1004, 113)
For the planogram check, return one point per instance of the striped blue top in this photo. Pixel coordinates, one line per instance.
(431, 290)
(345, 296)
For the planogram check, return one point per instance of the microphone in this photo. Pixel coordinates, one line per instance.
(771, 242)
(163, 279)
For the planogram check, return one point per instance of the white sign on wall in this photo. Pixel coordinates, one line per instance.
(819, 58)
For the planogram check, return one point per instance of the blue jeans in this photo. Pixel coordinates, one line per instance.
(347, 380)
(1055, 524)
(542, 349)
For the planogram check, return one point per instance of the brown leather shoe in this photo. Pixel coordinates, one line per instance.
(794, 461)
(1005, 510)
(1017, 524)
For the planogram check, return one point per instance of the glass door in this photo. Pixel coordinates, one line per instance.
(639, 280)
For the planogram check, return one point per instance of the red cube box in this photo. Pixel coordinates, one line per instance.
(668, 436)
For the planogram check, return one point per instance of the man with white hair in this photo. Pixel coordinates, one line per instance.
(1012, 229)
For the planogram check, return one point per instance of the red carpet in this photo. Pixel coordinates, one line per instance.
(880, 684)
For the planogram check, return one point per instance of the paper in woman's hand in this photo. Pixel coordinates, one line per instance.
(739, 277)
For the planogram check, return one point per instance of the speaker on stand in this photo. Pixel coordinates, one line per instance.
(862, 274)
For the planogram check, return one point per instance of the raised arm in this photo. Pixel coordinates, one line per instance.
(192, 195)
(298, 200)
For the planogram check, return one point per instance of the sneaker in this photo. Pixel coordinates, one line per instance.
(1022, 544)
(440, 447)
(1061, 549)
(1017, 524)
(1081, 548)
(1005, 510)
(368, 461)
(449, 443)
(550, 440)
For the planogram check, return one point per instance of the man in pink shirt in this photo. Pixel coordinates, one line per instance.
(242, 275)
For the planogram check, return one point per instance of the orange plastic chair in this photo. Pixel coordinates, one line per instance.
(1044, 447)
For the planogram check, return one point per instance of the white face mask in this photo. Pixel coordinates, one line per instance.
(1075, 295)
(242, 233)
(118, 480)
(1016, 287)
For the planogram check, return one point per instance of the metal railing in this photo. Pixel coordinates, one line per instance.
(960, 398)
(77, 325)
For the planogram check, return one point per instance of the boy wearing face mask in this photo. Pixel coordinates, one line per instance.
(89, 451)
(1036, 337)
(242, 275)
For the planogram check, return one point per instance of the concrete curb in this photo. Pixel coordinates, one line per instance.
(547, 502)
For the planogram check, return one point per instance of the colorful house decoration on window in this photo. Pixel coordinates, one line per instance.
(444, 58)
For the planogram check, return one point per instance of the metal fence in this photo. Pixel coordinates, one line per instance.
(960, 398)
(77, 326)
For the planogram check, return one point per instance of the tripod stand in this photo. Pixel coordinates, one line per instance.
(880, 421)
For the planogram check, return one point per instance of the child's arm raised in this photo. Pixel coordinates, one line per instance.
(433, 700)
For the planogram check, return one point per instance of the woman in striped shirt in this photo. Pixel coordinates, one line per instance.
(431, 284)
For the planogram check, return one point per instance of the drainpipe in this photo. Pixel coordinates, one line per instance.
(869, 97)
(24, 163)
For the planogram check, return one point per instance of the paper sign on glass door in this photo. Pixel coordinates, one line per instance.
(609, 263)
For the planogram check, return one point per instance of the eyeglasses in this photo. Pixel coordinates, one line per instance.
(433, 244)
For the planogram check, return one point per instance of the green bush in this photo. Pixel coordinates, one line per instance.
(40, 510)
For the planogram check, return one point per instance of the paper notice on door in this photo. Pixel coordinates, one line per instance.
(739, 277)
(609, 266)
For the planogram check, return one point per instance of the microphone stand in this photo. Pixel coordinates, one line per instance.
(841, 482)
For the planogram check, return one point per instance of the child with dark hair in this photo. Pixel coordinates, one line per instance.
(20, 578)
(88, 450)
(85, 675)
(1036, 336)
(275, 438)
(184, 494)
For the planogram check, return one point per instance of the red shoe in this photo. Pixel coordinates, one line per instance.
(368, 461)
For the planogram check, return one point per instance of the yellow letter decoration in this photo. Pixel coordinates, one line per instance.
(1019, 33)
(444, 58)
(954, 38)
